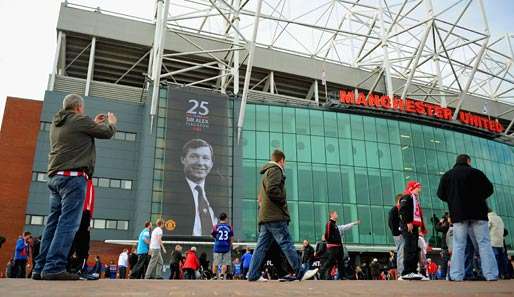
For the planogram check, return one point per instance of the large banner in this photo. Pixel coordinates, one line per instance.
(198, 160)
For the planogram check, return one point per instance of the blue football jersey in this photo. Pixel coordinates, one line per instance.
(223, 235)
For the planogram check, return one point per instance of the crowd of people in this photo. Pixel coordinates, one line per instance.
(473, 245)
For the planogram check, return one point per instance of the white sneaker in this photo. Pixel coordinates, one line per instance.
(409, 276)
(424, 278)
(309, 274)
(401, 278)
(262, 279)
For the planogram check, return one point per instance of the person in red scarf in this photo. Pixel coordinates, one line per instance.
(411, 225)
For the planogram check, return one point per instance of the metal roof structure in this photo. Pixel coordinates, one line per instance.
(297, 50)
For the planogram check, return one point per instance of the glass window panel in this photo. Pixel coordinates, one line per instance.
(99, 224)
(330, 123)
(357, 127)
(408, 158)
(276, 141)
(396, 157)
(399, 182)
(344, 128)
(249, 219)
(36, 220)
(294, 229)
(291, 182)
(365, 225)
(115, 183)
(303, 146)
(374, 187)
(378, 226)
(384, 154)
(275, 119)
(103, 182)
(320, 219)
(359, 153)
(394, 131)
(450, 141)
(350, 215)
(361, 185)
(306, 213)
(333, 180)
(316, 119)
(419, 155)
(319, 176)
(27, 219)
(263, 145)
(248, 144)
(417, 135)
(371, 154)
(459, 143)
(345, 152)
(250, 117)
(262, 118)
(440, 140)
(131, 136)
(305, 190)
(156, 208)
(290, 146)
(122, 225)
(318, 149)
(95, 181)
(110, 224)
(302, 121)
(442, 161)
(370, 129)
(250, 178)
(348, 183)
(157, 196)
(288, 120)
(382, 130)
(332, 150)
(388, 193)
(429, 137)
(405, 134)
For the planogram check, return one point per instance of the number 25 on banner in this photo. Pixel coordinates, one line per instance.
(199, 107)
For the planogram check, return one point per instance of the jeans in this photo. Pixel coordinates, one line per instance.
(123, 272)
(398, 243)
(479, 232)
(155, 266)
(410, 251)
(279, 232)
(67, 194)
(20, 268)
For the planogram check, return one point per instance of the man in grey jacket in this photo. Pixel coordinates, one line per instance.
(70, 163)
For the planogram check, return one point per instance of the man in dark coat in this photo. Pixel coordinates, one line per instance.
(466, 190)
(307, 254)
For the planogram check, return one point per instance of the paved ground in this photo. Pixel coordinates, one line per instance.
(108, 288)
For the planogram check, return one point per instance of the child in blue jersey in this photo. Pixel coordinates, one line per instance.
(222, 233)
(237, 269)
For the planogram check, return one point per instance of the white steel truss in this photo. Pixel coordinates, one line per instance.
(438, 53)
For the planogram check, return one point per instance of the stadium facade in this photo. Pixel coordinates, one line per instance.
(349, 147)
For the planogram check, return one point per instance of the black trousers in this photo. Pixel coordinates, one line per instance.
(174, 271)
(139, 269)
(20, 269)
(80, 246)
(189, 274)
(334, 256)
(410, 250)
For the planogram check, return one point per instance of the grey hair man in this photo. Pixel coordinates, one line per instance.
(71, 164)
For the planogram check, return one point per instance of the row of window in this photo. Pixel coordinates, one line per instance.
(120, 135)
(278, 120)
(39, 220)
(102, 182)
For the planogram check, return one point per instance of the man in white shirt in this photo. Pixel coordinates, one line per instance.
(154, 270)
(123, 264)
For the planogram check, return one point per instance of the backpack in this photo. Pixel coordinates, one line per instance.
(394, 221)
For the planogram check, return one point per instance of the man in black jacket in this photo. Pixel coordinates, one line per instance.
(307, 255)
(335, 253)
(466, 190)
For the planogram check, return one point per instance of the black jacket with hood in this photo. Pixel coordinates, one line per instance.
(72, 142)
(466, 190)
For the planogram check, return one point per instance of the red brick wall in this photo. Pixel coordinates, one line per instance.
(18, 138)
(106, 251)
